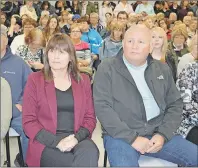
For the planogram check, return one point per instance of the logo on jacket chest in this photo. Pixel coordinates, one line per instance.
(9, 72)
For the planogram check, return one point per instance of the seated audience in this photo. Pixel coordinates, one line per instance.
(64, 18)
(138, 117)
(183, 10)
(51, 28)
(4, 19)
(192, 29)
(75, 7)
(122, 16)
(159, 44)
(61, 119)
(43, 22)
(45, 8)
(177, 48)
(15, 71)
(86, 7)
(92, 37)
(165, 25)
(83, 52)
(165, 9)
(175, 7)
(19, 40)
(123, 5)
(189, 57)
(145, 7)
(111, 45)
(6, 113)
(103, 9)
(29, 10)
(60, 6)
(15, 28)
(94, 22)
(188, 86)
(32, 51)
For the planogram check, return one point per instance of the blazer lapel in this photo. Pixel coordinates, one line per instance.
(51, 98)
(77, 96)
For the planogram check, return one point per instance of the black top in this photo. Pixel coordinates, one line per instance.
(65, 121)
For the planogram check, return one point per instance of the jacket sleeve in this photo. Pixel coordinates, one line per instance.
(6, 107)
(103, 102)
(173, 111)
(89, 121)
(30, 121)
(26, 71)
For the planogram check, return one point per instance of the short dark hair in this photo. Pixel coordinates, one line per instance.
(45, 3)
(122, 13)
(83, 19)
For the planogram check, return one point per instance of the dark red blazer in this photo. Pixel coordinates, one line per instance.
(40, 111)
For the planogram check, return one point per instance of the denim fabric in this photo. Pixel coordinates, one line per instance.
(16, 124)
(178, 150)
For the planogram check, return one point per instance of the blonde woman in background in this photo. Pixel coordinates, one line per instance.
(64, 18)
(189, 57)
(192, 29)
(159, 44)
(43, 21)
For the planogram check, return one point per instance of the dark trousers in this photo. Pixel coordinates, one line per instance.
(193, 135)
(84, 154)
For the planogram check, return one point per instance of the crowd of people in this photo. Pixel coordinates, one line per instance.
(133, 66)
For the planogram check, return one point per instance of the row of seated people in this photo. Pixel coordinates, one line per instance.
(88, 44)
(35, 9)
(134, 97)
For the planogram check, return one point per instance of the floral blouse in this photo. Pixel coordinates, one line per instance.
(24, 52)
(187, 84)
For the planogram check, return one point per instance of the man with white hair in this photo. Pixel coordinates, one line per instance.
(139, 106)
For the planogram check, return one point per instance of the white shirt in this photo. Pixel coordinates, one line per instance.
(18, 41)
(120, 7)
(84, 8)
(31, 13)
(151, 107)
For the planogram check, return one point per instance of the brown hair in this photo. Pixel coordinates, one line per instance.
(61, 42)
(116, 25)
(75, 25)
(47, 28)
(83, 19)
(29, 21)
(43, 17)
(35, 34)
(63, 13)
(179, 30)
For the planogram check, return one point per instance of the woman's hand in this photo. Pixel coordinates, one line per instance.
(67, 144)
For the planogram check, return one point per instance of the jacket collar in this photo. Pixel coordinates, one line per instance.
(123, 70)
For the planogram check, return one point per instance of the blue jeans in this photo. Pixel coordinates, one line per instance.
(178, 150)
(16, 124)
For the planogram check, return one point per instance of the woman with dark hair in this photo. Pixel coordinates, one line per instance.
(61, 119)
(75, 9)
(60, 6)
(51, 28)
(15, 28)
(184, 10)
(158, 7)
(165, 9)
(45, 8)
